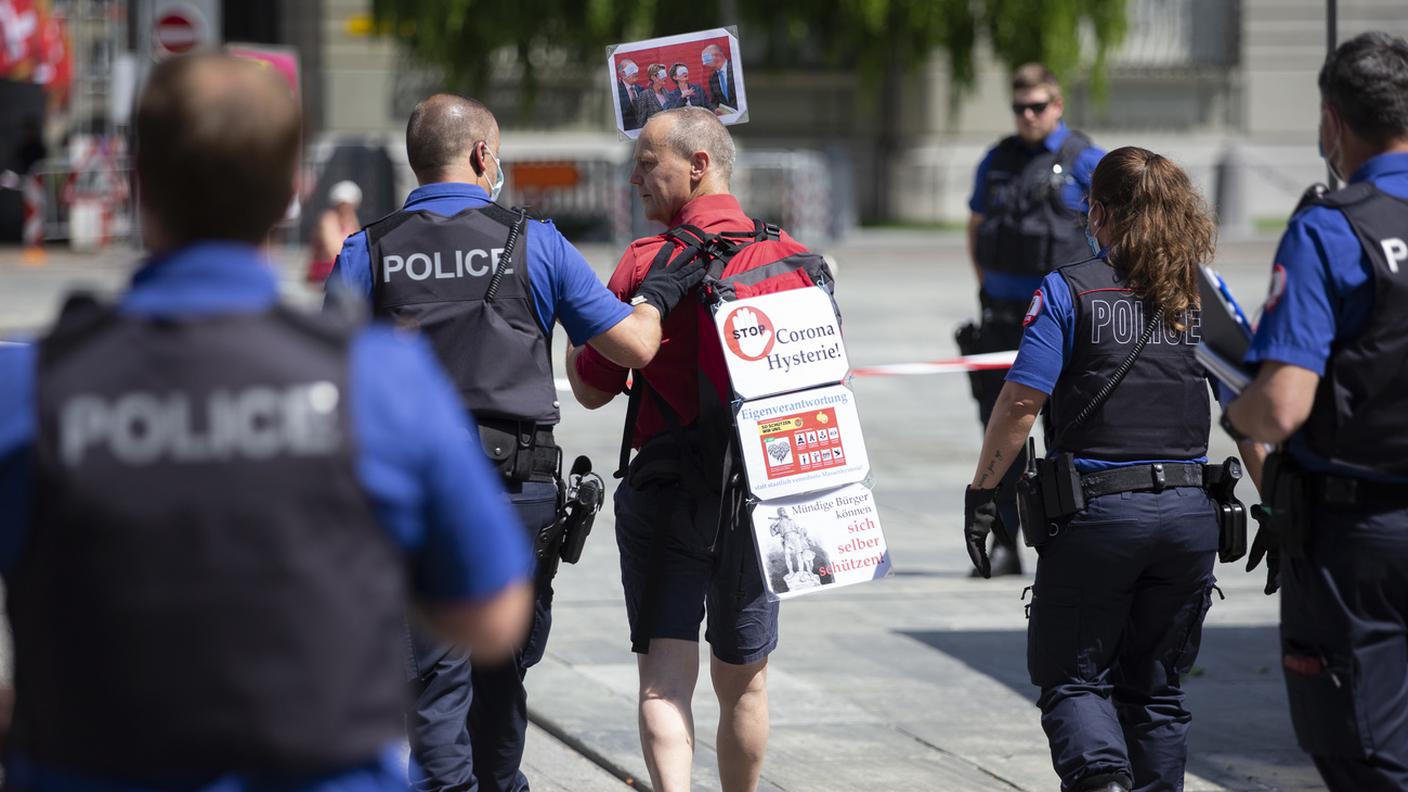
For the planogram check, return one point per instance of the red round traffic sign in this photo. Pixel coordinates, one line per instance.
(176, 32)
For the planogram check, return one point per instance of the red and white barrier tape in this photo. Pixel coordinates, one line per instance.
(988, 361)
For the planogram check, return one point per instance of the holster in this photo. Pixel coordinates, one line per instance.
(1221, 483)
(969, 338)
(1048, 491)
(1284, 491)
(521, 453)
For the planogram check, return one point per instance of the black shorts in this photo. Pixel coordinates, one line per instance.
(689, 580)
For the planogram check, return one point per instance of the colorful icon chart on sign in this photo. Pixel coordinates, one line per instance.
(788, 450)
(802, 442)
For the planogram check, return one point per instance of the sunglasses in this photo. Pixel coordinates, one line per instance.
(1037, 108)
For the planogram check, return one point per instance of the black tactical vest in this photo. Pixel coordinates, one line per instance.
(1159, 410)
(205, 588)
(431, 272)
(1027, 228)
(1360, 415)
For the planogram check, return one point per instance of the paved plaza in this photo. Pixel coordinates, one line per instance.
(915, 682)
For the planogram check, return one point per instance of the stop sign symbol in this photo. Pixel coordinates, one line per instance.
(177, 32)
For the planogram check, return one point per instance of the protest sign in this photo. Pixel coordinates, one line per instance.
(782, 342)
(700, 69)
(820, 541)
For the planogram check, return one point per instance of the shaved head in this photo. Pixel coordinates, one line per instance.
(217, 149)
(442, 133)
(694, 129)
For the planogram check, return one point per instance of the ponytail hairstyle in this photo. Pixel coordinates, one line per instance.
(1160, 228)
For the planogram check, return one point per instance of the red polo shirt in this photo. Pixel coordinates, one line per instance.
(674, 373)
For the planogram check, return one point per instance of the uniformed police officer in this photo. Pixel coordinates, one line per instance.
(208, 502)
(1027, 204)
(1124, 572)
(1332, 388)
(486, 286)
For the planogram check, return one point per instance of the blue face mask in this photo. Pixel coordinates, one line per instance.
(1092, 241)
(498, 177)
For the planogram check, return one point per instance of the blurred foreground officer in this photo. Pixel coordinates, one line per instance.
(485, 285)
(1127, 544)
(1333, 388)
(1028, 203)
(679, 556)
(208, 504)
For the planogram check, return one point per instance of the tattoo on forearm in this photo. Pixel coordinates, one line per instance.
(988, 471)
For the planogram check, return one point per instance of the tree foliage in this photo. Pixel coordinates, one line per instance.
(875, 37)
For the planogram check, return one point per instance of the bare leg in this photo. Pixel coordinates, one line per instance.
(743, 722)
(667, 677)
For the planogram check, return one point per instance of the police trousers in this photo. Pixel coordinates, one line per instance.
(1115, 622)
(1344, 637)
(469, 720)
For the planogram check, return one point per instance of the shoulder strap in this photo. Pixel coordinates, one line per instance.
(1072, 146)
(82, 315)
(379, 228)
(1346, 196)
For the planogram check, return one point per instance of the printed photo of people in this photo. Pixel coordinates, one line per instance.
(689, 70)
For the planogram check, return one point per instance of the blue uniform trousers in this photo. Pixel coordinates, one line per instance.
(1344, 636)
(1116, 618)
(469, 722)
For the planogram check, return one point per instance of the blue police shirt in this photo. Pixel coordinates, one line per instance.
(1048, 341)
(563, 284)
(433, 492)
(1322, 291)
(1005, 285)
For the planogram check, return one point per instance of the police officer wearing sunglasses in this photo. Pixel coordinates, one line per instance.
(1027, 204)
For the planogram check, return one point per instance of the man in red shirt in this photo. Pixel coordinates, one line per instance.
(676, 558)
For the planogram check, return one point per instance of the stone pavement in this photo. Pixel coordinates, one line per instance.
(916, 682)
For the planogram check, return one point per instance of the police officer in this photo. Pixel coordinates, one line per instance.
(485, 286)
(1027, 204)
(668, 506)
(1124, 573)
(208, 504)
(1331, 387)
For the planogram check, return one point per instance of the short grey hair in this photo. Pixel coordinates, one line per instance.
(698, 129)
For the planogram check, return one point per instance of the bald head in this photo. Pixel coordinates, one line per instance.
(694, 129)
(442, 134)
(217, 149)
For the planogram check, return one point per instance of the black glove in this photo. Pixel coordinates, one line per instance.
(1267, 543)
(980, 518)
(668, 282)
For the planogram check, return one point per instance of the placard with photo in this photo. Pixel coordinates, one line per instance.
(700, 69)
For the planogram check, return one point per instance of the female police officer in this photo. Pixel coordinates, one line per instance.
(1123, 580)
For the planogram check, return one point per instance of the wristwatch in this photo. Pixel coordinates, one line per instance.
(638, 299)
(1226, 424)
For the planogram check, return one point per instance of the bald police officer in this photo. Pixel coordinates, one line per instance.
(485, 286)
(208, 506)
(1332, 388)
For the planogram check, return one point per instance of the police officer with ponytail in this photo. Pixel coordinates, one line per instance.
(485, 285)
(212, 507)
(1331, 388)
(1120, 509)
(1027, 206)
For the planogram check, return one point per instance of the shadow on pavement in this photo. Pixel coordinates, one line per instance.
(1241, 722)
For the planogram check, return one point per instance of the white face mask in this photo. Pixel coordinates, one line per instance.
(708, 59)
(498, 177)
(631, 73)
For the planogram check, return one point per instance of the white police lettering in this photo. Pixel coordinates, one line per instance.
(785, 360)
(1395, 250)
(1122, 322)
(141, 428)
(436, 266)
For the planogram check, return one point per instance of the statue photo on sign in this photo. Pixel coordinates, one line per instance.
(798, 562)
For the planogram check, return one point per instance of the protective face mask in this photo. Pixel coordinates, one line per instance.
(1092, 241)
(498, 178)
(631, 73)
(708, 59)
(1328, 156)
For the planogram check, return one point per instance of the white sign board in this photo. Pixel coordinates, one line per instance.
(782, 342)
(818, 542)
(802, 442)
